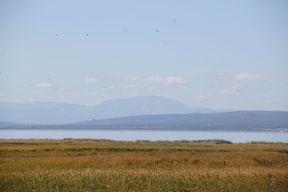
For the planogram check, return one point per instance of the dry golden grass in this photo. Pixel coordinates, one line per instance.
(102, 165)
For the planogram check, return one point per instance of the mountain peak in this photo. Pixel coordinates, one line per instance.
(55, 113)
(145, 100)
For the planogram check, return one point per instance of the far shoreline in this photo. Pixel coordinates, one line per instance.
(278, 130)
(200, 141)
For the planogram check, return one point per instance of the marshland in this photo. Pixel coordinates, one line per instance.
(106, 165)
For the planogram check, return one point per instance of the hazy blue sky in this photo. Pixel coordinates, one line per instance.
(217, 54)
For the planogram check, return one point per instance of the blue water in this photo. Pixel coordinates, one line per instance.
(130, 135)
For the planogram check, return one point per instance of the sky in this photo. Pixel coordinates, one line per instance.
(214, 54)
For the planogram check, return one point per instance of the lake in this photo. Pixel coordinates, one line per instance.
(130, 135)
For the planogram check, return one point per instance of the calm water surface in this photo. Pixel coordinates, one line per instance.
(152, 135)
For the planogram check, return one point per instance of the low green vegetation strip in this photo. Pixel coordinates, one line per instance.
(103, 165)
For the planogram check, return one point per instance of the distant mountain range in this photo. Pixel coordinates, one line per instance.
(62, 113)
(240, 121)
(136, 113)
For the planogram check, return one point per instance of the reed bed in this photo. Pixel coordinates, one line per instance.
(104, 165)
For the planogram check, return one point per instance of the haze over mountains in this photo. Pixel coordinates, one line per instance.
(238, 120)
(63, 113)
(147, 112)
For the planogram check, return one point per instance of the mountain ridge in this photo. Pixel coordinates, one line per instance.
(228, 121)
(237, 120)
(63, 113)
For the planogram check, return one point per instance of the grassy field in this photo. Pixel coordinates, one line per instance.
(101, 165)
